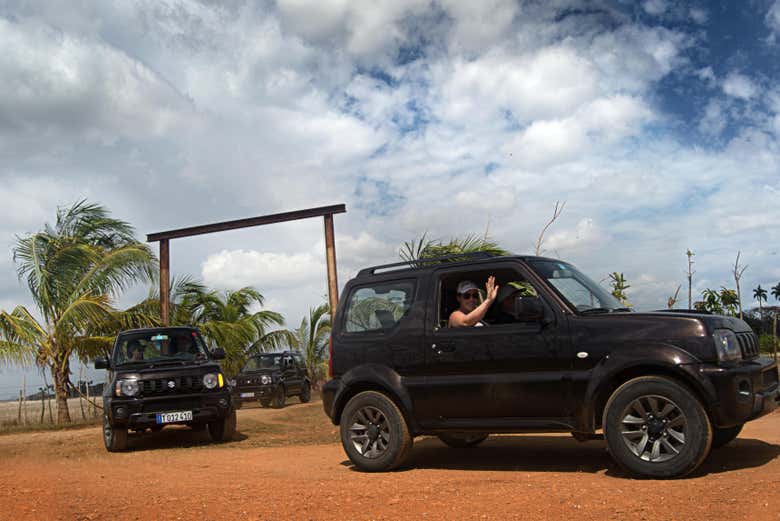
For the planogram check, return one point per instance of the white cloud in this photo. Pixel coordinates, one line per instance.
(655, 7)
(238, 268)
(739, 86)
(699, 15)
(772, 19)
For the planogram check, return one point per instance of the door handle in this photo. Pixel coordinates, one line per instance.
(443, 347)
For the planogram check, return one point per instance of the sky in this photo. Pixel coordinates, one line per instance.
(657, 122)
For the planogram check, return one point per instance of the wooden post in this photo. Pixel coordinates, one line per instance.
(330, 257)
(43, 403)
(774, 337)
(165, 275)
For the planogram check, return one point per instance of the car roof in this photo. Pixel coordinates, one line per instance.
(158, 329)
(449, 261)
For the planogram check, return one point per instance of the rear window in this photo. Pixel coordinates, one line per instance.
(379, 306)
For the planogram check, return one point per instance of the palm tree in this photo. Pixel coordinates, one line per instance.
(776, 291)
(760, 294)
(231, 320)
(711, 301)
(311, 339)
(74, 271)
(423, 247)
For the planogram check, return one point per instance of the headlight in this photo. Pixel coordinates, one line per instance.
(726, 345)
(265, 379)
(211, 381)
(127, 388)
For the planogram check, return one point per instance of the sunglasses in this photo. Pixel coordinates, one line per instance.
(467, 296)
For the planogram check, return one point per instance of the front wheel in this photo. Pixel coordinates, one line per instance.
(279, 397)
(114, 438)
(463, 440)
(374, 433)
(305, 393)
(657, 428)
(721, 437)
(223, 430)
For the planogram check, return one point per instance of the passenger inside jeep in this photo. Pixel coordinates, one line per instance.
(505, 310)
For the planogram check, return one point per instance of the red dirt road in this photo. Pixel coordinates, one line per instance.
(68, 475)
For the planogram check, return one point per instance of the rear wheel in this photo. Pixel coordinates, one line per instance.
(305, 396)
(374, 433)
(463, 440)
(114, 438)
(223, 430)
(279, 397)
(656, 427)
(721, 437)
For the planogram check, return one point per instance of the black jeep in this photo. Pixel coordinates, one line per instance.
(271, 377)
(164, 376)
(555, 353)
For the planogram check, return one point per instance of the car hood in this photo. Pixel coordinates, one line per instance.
(168, 370)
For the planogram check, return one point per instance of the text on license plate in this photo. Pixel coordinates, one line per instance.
(170, 417)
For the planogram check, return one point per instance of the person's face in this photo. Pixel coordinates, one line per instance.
(469, 301)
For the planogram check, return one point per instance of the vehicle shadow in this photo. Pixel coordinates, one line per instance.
(534, 453)
(173, 438)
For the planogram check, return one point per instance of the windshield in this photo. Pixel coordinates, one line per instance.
(258, 363)
(159, 346)
(576, 288)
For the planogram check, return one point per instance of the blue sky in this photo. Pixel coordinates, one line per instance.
(657, 122)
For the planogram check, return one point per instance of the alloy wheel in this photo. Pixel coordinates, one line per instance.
(370, 432)
(654, 428)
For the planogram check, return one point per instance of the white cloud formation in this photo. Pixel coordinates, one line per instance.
(773, 19)
(655, 7)
(739, 86)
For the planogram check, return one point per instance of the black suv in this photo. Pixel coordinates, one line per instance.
(163, 376)
(271, 377)
(555, 353)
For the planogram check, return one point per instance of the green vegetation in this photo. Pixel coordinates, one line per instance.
(311, 339)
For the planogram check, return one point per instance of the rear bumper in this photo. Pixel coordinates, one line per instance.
(329, 392)
(744, 392)
(142, 412)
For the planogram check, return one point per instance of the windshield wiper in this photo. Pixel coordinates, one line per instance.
(595, 311)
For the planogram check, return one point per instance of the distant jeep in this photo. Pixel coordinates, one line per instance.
(164, 376)
(271, 377)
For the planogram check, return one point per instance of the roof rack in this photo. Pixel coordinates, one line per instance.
(428, 261)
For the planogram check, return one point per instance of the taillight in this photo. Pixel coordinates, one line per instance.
(330, 356)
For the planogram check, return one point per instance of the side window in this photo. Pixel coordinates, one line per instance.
(298, 361)
(377, 307)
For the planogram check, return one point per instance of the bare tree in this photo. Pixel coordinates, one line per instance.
(557, 211)
(690, 255)
(671, 301)
(738, 272)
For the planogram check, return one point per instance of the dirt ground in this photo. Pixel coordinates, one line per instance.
(288, 464)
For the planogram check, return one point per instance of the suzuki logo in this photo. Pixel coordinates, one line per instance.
(171, 384)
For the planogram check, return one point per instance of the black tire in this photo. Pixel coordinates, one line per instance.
(721, 437)
(463, 440)
(224, 429)
(389, 428)
(279, 397)
(657, 429)
(114, 438)
(305, 395)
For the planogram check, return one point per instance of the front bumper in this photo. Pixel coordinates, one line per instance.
(744, 392)
(255, 392)
(142, 411)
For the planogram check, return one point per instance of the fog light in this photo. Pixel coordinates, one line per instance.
(120, 412)
(223, 402)
(744, 388)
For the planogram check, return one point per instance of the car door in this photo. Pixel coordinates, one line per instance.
(510, 371)
(291, 380)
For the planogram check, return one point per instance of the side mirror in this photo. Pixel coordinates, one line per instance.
(101, 363)
(218, 354)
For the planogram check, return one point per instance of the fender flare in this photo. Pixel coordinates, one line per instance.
(641, 359)
(377, 377)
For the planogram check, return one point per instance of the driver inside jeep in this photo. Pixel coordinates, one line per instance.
(470, 310)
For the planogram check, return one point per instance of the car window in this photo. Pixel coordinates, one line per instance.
(377, 307)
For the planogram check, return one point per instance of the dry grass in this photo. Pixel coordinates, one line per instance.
(31, 415)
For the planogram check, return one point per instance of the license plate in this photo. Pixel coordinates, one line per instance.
(247, 395)
(172, 417)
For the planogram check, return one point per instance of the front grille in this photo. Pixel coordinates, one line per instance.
(172, 405)
(172, 385)
(748, 343)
